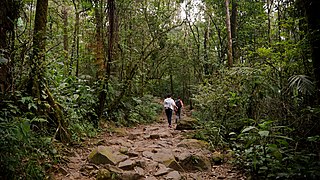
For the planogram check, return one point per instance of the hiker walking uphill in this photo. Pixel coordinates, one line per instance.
(179, 104)
(169, 106)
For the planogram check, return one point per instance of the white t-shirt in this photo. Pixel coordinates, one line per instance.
(169, 103)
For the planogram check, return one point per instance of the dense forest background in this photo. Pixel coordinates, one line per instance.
(249, 69)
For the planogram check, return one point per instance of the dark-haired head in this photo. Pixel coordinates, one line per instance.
(169, 95)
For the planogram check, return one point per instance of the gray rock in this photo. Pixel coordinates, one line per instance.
(173, 164)
(102, 155)
(174, 175)
(150, 178)
(139, 170)
(127, 164)
(163, 155)
(147, 154)
(162, 171)
(187, 123)
(195, 162)
(193, 144)
(130, 175)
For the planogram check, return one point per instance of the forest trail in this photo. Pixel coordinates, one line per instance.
(148, 150)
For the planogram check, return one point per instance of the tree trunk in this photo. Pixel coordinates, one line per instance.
(230, 61)
(9, 13)
(234, 31)
(65, 38)
(38, 53)
(38, 84)
(75, 43)
(313, 16)
(100, 60)
(205, 49)
(269, 8)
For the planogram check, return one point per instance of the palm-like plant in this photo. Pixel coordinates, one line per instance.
(302, 83)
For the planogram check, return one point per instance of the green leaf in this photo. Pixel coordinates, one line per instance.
(38, 120)
(232, 133)
(248, 129)
(264, 133)
(76, 96)
(283, 137)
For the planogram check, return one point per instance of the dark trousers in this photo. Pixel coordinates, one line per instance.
(178, 113)
(169, 115)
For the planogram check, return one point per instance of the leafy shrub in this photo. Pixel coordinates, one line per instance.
(247, 110)
(23, 153)
(135, 110)
(265, 151)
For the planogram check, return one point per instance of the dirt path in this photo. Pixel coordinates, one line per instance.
(148, 150)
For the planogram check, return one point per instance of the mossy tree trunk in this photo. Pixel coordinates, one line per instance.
(37, 86)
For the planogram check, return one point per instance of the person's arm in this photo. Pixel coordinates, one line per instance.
(174, 105)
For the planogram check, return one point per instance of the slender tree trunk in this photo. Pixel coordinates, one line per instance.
(100, 60)
(229, 38)
(234, 31)
(205, 49)
(65, 37)
(269, 8)
(75, 43)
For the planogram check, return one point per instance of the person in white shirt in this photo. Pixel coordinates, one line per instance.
(169, 106)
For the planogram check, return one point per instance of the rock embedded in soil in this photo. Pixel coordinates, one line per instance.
(174, 175)
(193, 144)
(172, 163)
(105, 155)
(127, 164)
(187, 123)
(130, 175)
(195, 162)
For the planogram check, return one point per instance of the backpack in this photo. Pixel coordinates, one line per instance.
(166, 104)
(178, 103)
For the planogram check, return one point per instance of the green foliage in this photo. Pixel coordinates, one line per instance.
(231, 96)
(244, 109)
(265, 151)
(135, 110)
(23, 153)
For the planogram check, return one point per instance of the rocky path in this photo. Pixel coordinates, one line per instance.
(146, 152)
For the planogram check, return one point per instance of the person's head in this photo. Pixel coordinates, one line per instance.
(179, 97)
(169, 96)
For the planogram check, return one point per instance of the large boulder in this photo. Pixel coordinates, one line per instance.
(105, 155)
(195, 162)
(187, 123)
(193, 144)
